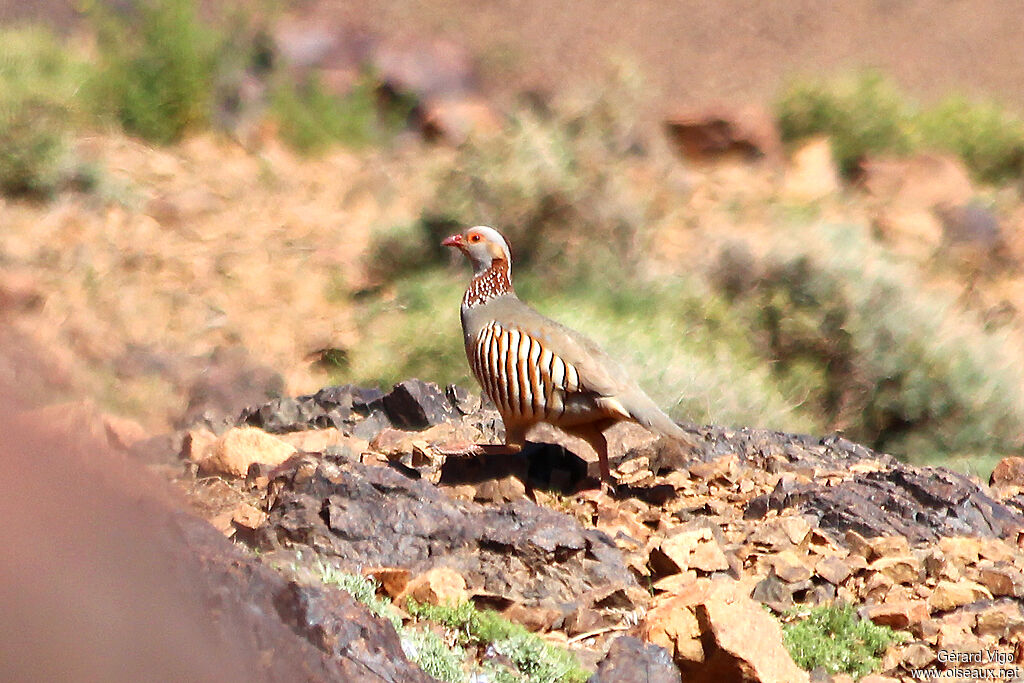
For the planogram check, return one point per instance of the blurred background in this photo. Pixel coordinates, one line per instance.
(776, 215)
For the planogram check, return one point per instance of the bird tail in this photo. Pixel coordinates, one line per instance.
(655, 419)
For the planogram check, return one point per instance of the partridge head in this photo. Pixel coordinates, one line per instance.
(536, 370)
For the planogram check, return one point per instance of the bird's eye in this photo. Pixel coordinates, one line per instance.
(475, 237)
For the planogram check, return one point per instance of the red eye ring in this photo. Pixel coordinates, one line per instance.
(475, 237)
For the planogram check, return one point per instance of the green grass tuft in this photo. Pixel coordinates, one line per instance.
(837, 640)
(363, 589)
(431, 653)
(536, 660)
(445, 658)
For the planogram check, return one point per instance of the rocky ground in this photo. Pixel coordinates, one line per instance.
(676, 566)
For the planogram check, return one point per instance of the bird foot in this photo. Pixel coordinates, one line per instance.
(610, 488)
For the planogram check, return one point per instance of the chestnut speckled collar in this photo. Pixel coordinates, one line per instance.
(494, 282)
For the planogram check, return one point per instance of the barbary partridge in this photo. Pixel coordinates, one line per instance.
(536, 370)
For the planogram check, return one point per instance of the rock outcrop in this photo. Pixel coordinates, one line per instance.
(744, 519)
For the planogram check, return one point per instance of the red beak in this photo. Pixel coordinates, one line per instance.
(453, 241)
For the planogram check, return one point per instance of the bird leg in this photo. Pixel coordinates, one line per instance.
(593, 434)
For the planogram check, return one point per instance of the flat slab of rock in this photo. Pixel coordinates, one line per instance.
(367, 515)
(849, 487)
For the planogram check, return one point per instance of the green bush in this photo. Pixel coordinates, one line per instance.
(985, 136)
(867, 114)
(311, 118)
(877, 355)
(33, 149)
(861, 115)
(159, 62)
(555, 181)
(837, 640)
(39, 82)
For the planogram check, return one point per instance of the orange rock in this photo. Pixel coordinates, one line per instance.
(950, 595)
(901, 569)
(889, 546)
(790, 567)
(691, 548)
(857, 544)
(744, 642)
(917, 656)
(240, 447)
(392, 579)
(1002, 579)
(899, 615)
(673, 626)
(247, 516)
(960, 550)
(877, 586)
(997, 550)
(533, 618)
(198, 444)
(1002, 620)
(1008, 471)
(676, 583)
(439, 586)
(746, 645)
(317, 440)
(833, 570)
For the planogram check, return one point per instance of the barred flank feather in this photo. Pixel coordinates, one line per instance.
(524, 380)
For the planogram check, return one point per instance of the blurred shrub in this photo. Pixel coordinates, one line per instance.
(159, 64)
(876, 355)
(311, 118)
(560, 184)
(39, 82)
(862, 115)
(985, 136)
(32, 149)
(867, 114)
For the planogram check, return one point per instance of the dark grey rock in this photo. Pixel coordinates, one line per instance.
(376, 516)
(973, 223)
(371, 425)
(288, 415)
(630, 660)
(773, 592)
(415, 404)
(336, 624)
(921, 503)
